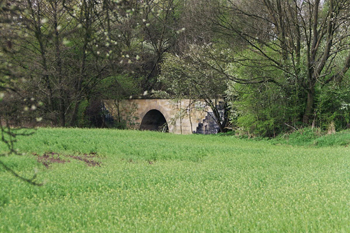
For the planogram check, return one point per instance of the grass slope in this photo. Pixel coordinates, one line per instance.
(154, 182)
(314, 138)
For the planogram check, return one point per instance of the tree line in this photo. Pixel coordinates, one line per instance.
(276, 65)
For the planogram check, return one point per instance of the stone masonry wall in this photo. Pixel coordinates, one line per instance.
(182, 116)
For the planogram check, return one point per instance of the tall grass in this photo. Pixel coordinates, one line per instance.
(314, 138)
(154, 182)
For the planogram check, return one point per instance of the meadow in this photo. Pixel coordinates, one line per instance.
(100, 180)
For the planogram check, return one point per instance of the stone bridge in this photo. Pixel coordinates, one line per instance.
(174, 116)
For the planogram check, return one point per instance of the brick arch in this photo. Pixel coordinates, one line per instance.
(155, 106)
(154, 120)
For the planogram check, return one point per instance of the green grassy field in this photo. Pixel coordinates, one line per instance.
(128, 181)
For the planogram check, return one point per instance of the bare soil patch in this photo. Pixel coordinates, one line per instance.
(49, 158)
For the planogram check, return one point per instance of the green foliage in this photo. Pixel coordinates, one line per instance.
(196, 75)
(262, 109)
(313, 138)
(175, 183)
(333, 106)
(341, 138)
(277, 52)
(301, 137)
(267, 109)
(83, 121)
(114, 88)
(117, 87)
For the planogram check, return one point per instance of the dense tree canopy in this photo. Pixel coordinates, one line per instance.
(66, 49)
(306, 40)
(280, 64)
(287, 57)
(300, 47)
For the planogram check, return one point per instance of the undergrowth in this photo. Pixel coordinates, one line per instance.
(309, 137)
(313, 138)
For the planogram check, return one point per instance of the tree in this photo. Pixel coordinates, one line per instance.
(160, 32)
(198, 75)
(298, 47)
(195, 21)
(303, 39)
(14, 110)
(65, 49)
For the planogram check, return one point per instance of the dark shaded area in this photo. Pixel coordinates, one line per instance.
(86, 159)
(49, 158)
(208, 126)
(154, 121)
(96, 115)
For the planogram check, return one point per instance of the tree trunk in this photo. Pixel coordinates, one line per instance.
(309, 106)
(74, 119)
(88, 8)
(62, 107)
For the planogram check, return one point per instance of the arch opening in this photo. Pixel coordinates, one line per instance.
(154, 120)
